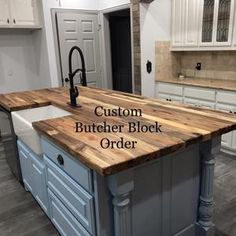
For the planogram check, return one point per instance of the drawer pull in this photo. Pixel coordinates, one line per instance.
(60, 160)
(231, 112)
(8, 21)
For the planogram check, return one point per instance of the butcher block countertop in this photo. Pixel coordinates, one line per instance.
(181, 126)
(203, 82)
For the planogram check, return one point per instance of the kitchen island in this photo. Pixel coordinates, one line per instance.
(161, 183)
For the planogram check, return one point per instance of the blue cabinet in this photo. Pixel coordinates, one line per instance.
(26, 169)
(33, 173)
(62, 218)
(63, 189)
(75, 198)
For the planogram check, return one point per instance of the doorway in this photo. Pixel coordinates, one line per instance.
(121, 50)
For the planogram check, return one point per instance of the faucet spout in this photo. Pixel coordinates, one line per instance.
(74, 93)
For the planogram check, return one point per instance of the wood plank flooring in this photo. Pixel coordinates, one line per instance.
(20, 214)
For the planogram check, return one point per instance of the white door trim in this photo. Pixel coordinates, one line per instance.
(105, 44)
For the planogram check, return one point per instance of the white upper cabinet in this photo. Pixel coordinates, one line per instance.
(203, 25)
(4, 13)
(191, 22)
(217, 18)
(185, 23)
(178, 7)
(19, 13)
(25, 12)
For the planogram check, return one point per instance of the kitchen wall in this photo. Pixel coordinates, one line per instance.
(168, 64)
(103, 4)
(217, 65)
(23, 61)
(80, 4)
(155, 20)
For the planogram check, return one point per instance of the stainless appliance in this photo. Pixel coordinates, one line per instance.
(9, 141)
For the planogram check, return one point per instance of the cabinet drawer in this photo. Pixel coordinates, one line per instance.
(79, 172)
(170, 98)
(64, 221)
(197, 93)
(226, 97)
(170, 89)
(73, 196)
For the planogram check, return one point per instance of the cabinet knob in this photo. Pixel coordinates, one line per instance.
(231, 112)
(14, 21)
(8, 21)
(60, 160)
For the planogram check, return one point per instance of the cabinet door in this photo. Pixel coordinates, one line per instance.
(234, 137)
(24, 13)
(206, 104)
(234, 141)
(4, 13)
(192, 22)
(26, 167)
(217, 22)
(224, 24)
(178, 15)
(192, 102)
(208, 12)
(226, 138)
(39, 180)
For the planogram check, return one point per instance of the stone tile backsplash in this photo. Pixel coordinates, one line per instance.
(215, 65)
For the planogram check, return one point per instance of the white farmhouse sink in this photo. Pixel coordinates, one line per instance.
(22, 122)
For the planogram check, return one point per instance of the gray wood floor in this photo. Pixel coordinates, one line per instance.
(20, 214)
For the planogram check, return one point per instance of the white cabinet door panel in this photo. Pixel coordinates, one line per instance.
(234, 141)
(192, 102)
(192, 22)
(178, 11)
(24, 12)
(226, 138)
(205, 104)
(200, 93)
(4, 13)
(226, 97)
(172, 89)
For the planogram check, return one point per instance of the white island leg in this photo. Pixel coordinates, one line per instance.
(120, 186)
(205, 225)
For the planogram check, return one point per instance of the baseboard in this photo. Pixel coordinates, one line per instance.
(228, 151)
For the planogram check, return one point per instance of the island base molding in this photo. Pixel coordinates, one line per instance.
(205, 231)
(208, 150)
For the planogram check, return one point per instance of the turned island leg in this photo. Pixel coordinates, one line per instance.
(205, 225)
(121, 186)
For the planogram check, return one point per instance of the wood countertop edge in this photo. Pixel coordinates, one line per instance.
(135, 162)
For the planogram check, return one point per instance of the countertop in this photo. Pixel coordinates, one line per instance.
(181, 125)
(203, 82)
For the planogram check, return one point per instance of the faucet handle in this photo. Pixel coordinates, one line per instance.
(76, 91)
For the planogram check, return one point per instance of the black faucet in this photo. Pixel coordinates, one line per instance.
(74, 93)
